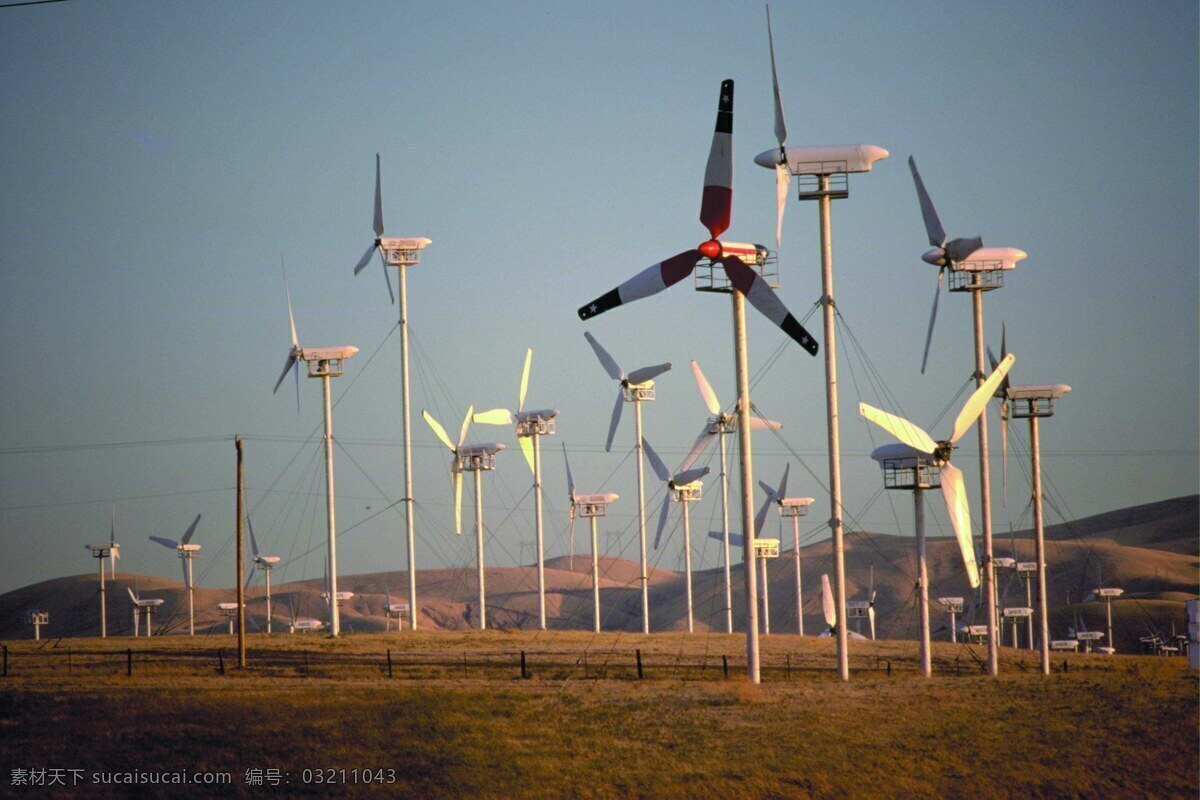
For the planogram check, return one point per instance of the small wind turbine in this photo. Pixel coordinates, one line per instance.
(531, 426)
(590, 507)
(229, 611)
(823, 175)
(683, 487)
(323, 363)
(393, 611)
(265, 564)
(792, 508)
(637, 387)
(187, 551)
(720, 425)
(100, 552)
(475, 458)
(301, 624)
(37, 618)
(860, 609)
(140, 605)
(400, 253)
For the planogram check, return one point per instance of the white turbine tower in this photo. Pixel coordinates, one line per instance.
(637, 387)
(400, 253)
(187, 551)
(792, 508)
(684, 487)
(975, 269)
(823, 174)
(475, 458)
(590, 507)
(531, 426)
(718, 427)
(323, 363)
(913, 462)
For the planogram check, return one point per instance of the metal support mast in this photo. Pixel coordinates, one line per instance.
(335, 627)
(985, 494)
(641, 491)
(743, 410)
(537, 517)
(409, 525)
(923, 580)
(479, 547)
(725, 533)
(241, 587)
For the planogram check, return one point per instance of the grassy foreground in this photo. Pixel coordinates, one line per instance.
(1112, 727)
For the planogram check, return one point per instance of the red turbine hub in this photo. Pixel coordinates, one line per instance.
(711, 249)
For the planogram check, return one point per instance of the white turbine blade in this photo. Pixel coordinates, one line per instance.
(132, 596)
(296, 376)
(437, 429)
(780, 123)
(570, 480)
(955, 493)
(496, 416)
(387, 278)
(287, 367)
(615, 421)
(698, 447)
(783, 180)
(871, 618)
(253, 543)
(644, 374)
(937, 293)
(978, 401)
(827, 604)
(526, 443)
(288, 294)
(933, 226)
(524, 379)
(960, 249)
(761, 517)
(684, 477)
(377, 224)
(183, 566)
(656, 463)
(899, 427)
(187, 537)
(662, 519)
(165, 542)
(466, 423)
(610, 366)
(735, 539)
(387, 594)
(706, 391)
(781, 492)
(764, 424)
(366, 259)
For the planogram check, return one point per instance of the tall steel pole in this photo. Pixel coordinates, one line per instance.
(595, 580)
(725, 532)
(799, 587)
(241, 586)
(479, 547)
(191, 597)
(687, 562)
(402, 273)
(1029, 603)
(537, 517)
(985, 495)
(922, 575)
(1040, 556)
(103, 606)
(835, 448)
(766, 599)
(743, 410)
(637, 415)
(335, 627)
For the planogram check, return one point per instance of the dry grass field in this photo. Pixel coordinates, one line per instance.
(455, 719)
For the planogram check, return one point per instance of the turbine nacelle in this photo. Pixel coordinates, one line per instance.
(822, 159)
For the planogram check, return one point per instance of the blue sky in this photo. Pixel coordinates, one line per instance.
(159, 158)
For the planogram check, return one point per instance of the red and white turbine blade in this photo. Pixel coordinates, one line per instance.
(760, 295)
(955, 493)
(526, 443)
(437, 429)
(615, 420)
(716, 206)
(377, 224)
(187, 537)
(524, 379)
(937, 293)
(608, 362)
(899, 427)
(827, 604)
(649, 281)
(496, 416)
(978, 401)
(706, 391)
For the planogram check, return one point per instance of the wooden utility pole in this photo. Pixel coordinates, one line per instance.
(241, 589)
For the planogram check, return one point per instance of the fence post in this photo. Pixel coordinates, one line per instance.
(129, 661)
(220, 661)
(306, 663)
(389, 656)
(639, 664)
(6, 661)
(725, 666)
(789, 666)
(889, 667)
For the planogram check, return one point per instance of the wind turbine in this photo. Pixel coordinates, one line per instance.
(100, 552)
(792, 508)
(742, 283)
(589, 506)
(323, 363)
(531, 426)
(637, 387)
(393, 611)
(823, 173)
(914, 461)
(720, 425)
(858, 609)
(139, 605)
(977, 271)
(400, 253)
(265, 564)
(683, 487)
(187, 551)
(474, 458)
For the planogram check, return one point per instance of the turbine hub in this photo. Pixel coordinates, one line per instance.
(711, 249)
